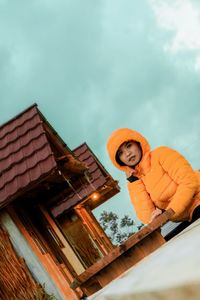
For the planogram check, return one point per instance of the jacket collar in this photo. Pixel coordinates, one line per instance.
(144, 166)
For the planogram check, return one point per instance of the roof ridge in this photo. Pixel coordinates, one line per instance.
(20, 125)
(18, 115)
(81, 145)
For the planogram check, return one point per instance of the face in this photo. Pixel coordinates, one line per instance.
(130, 153)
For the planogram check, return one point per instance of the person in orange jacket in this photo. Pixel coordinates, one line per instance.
(157, 180)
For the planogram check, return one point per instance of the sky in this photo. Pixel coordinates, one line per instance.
(95, 66)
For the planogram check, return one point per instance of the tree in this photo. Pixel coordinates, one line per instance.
(117, 229)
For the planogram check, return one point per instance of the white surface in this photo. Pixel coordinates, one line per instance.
(171, 272)
(168, 227)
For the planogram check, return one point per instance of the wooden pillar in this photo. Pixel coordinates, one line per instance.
(95, 229)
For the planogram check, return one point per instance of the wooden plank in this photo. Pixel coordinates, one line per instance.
(172, 272)
(71, 261)
(54, 138)
(47, 262)
(79, 239)
(122, 263)
(127, 259)
(133, 240)
(95, 230)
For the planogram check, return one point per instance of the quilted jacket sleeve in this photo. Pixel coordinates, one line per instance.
(181, 172)
(141, 201)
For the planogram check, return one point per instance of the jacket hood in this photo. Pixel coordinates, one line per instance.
(120, 136)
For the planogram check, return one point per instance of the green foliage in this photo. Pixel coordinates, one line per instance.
(41, 294)
(117, 229)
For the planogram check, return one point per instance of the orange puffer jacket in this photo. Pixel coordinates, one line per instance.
(166, 179)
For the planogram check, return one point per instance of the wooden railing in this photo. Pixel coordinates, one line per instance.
(135, 248)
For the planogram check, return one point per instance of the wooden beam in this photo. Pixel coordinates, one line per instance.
(132, 241)
(70, 164)
(95, 230)
(55, 139)
(71, 260)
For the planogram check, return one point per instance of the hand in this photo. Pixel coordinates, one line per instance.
(130, 172)
(155, 214)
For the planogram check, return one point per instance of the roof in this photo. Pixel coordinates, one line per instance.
(25, 154)
(98, 178)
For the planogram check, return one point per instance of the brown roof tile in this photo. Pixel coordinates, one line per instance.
(25, 154)
(26, 157)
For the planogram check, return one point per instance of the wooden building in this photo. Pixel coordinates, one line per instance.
(47, 194)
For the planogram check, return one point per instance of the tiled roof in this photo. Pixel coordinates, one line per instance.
(98, 179)
(25, 154)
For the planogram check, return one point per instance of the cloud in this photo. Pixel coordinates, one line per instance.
(182, 19)
(95, 66)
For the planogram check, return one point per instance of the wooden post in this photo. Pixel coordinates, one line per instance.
(95, 230)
